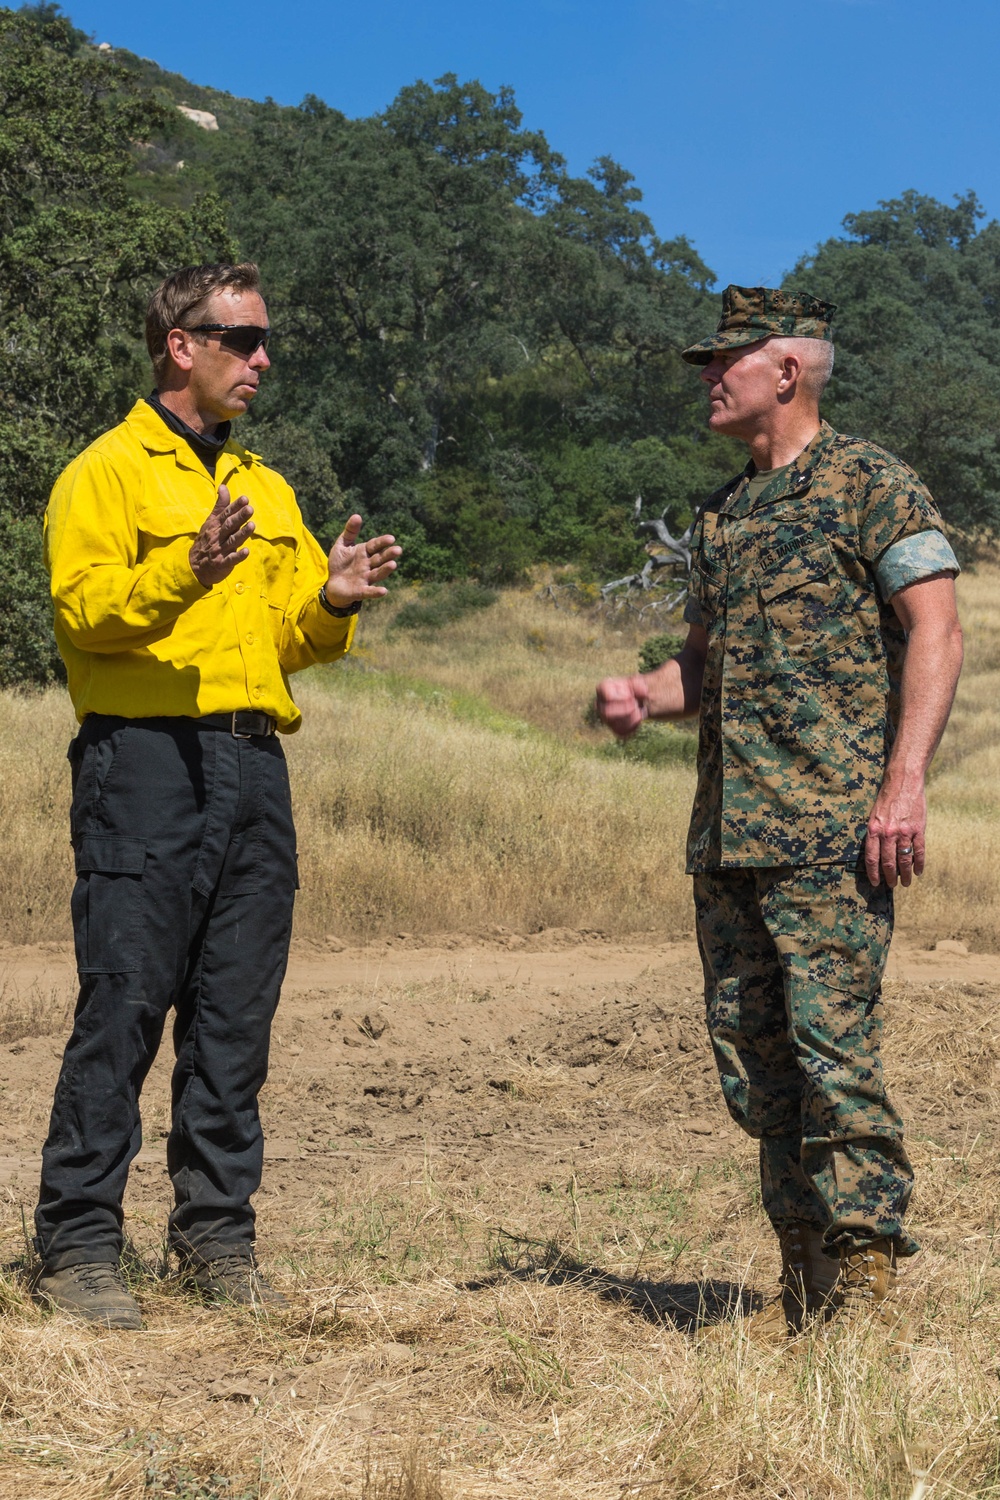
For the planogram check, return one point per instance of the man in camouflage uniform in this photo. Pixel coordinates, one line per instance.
(822, 655)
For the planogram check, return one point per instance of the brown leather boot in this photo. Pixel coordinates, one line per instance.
(235, 1279)
(808, 1282)
(95, 1292)
(867, 1278)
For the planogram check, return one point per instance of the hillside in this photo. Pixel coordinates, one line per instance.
(475, 348)
(515, 1224)
(437, 765)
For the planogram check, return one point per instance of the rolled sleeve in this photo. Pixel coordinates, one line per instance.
(896, 506)
(913, 558)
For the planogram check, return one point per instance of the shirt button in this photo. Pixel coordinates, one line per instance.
(256, 692)
(249, 637)
(240, 588)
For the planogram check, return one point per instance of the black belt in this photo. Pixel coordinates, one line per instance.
(242, 725)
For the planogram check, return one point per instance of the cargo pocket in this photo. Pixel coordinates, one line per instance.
(107, 903)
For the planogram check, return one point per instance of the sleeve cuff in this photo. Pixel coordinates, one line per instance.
(913, 558)
(176, 579)
(335, 610)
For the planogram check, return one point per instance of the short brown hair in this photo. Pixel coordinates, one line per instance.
(179, 301)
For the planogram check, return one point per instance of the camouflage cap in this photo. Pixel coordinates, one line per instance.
(751, 313)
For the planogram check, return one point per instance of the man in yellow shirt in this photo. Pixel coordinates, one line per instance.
(186, 590)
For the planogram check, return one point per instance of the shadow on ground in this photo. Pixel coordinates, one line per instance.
(688, 1305)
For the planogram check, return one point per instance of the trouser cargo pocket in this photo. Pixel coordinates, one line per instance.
(107, 903)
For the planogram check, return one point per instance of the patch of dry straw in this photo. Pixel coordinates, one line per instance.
(451, 782)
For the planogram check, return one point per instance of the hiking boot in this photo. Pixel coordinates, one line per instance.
(867, 1277)
(236, 1279)
(808, 1283)
(94, 1291)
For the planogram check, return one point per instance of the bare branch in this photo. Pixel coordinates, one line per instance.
(678, 554)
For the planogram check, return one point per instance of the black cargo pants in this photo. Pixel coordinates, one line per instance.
(186, 877)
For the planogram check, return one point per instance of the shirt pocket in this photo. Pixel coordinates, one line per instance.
(173, 523)
(272, 549)
(107, 903)
(161, 520)
(806, 602)
(706, 586)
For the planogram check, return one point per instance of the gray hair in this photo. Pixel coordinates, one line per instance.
(816, 356)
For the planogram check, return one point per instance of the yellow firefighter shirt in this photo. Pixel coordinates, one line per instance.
(139, 634)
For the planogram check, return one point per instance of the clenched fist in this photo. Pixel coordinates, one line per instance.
(623, 703)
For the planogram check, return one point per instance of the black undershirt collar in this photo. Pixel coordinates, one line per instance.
(206, 446)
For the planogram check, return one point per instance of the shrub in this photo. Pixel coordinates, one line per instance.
(658, 649)
(28, 655)
(441, 604)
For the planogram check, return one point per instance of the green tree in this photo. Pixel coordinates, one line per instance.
(918, 343)
(78, 256)
(623, 300)
(452, 308)
(391, 257)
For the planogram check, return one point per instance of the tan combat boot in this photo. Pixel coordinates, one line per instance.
(867, 1279)
(809, 1280)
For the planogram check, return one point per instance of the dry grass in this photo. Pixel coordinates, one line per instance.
(31, 1010)
(481, 1322)
(452, 782)
(522, 657)
(460, 698)
(959, 896)
(411, 1474)
(458, 1370)
(489, 1325)
(409, 817)
(437, 801)
(35, 730)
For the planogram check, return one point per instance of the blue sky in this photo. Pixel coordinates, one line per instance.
(751, 126)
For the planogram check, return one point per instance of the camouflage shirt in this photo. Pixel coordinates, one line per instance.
(804, 651)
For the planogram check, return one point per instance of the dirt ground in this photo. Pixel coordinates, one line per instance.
(422, 1042)
(420, 1045)
(414, 1045)
(479, 1061)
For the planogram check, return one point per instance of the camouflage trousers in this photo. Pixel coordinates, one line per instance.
(793, 961)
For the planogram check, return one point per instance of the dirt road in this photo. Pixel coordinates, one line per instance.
(478, 1149)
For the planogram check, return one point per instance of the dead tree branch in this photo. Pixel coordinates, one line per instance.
(676, 556)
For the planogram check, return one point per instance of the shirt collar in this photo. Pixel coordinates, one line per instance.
(206, 444)
(156, 437)
(796, 478)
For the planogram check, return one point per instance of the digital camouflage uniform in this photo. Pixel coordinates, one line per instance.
(797, 718)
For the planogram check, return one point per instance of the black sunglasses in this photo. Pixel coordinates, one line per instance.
(238, 338)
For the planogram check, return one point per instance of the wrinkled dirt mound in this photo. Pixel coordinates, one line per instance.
(647, 1025)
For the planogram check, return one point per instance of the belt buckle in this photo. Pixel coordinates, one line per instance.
(237, 733)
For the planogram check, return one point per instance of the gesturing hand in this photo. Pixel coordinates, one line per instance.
(218, 547)
(623, 703)
(357, 568)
